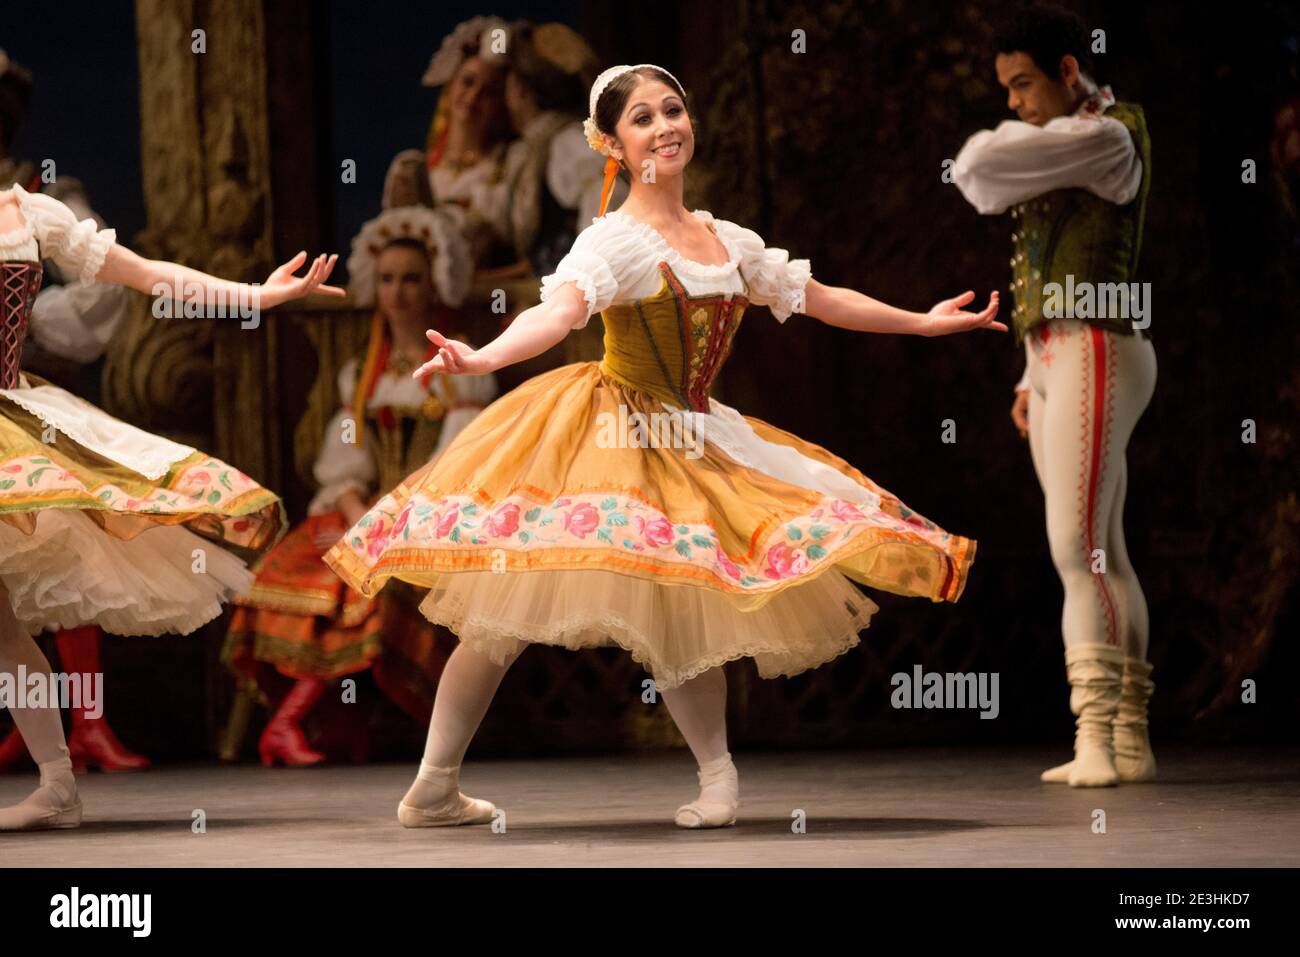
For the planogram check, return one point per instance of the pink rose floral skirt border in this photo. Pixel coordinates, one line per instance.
(533, 527)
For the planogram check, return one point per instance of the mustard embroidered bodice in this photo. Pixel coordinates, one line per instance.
(672, 345)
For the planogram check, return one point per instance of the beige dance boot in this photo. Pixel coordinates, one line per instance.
(1096, 673)
(719, 796)
(449, 808)
(54, 804)
(1133, 758)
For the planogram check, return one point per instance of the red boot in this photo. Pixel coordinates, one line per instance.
(283, 739)
(92, 743)
(13, 753)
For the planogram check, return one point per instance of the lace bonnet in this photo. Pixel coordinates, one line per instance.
(450, 265)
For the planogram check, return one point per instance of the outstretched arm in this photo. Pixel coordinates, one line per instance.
(126, 268)
(533, 331)
(848, 309)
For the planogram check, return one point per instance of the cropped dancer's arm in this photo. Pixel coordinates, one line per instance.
(159, 277)
(533, 331)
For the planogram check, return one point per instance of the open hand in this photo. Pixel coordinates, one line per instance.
(453, 356)
(283, 285)
(948, 317)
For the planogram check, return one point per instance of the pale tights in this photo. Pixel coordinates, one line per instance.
(470, 680)
(41, 728)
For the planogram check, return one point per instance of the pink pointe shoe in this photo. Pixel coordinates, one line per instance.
(720, 780)
(435, 800)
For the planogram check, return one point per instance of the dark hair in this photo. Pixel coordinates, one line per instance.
(613, 99)
(407, 242)
(1047, 34)
(15, 101)
(551, 86)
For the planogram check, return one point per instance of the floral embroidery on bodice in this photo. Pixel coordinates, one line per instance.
(672, 345)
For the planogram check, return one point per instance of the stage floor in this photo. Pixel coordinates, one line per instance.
(918, 807)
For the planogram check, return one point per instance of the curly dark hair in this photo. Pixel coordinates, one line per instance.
(1045, 32)
(553, 88)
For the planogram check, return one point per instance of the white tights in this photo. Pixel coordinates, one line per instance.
(470, 679)
(1088, 388)
(41, 728)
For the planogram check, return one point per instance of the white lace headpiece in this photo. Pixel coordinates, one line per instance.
(607, 77)
(450, 264)
(450, 55)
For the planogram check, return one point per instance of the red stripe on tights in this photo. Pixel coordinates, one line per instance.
(1094, 471)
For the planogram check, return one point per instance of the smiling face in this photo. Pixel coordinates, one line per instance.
(402, 285)
(478, 93)
(1035, 96)
(654, 128)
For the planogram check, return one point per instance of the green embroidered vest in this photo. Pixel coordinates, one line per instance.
(1069, 237)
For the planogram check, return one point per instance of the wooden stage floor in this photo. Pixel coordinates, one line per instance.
(1211, 807)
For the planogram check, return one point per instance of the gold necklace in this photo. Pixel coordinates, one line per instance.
(400, 363)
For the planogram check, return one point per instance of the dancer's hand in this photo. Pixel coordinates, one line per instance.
(948, 317)
(1020, 412)
(453, 356)
(283, 285)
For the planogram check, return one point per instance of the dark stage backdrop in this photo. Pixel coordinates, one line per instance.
(836, 153)
(85, 109)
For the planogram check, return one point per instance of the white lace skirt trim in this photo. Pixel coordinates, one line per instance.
(727, 429)
(674, 631)
(92, 428)
(70, 572)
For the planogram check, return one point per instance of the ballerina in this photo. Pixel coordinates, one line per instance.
(544, 523)
(101, 522)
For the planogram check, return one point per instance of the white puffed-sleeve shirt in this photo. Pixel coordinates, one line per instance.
(616, 259)
(1017, 161)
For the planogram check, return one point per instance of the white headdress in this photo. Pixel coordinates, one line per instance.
(594, 139)
(451, 53)
(449, 258)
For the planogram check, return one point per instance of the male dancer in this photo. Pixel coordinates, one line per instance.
(1075, 171)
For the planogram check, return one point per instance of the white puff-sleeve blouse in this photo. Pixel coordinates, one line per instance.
(52, 231)
(616, 260)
